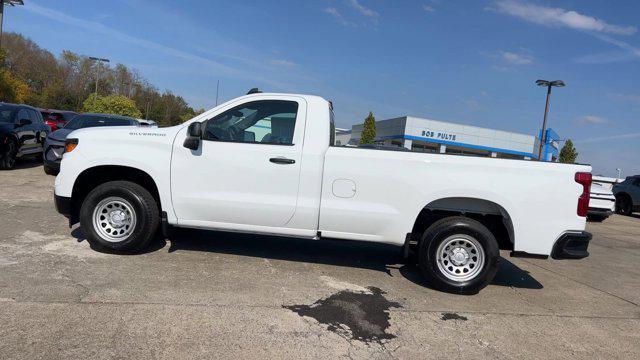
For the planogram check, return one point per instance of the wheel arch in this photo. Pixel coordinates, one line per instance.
(623, 194)
(92, 177)
(491, 214)
(8, 136)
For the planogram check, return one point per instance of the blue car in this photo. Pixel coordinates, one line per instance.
(54, 144)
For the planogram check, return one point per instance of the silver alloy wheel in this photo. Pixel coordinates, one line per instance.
(460, 257)
(114, 219)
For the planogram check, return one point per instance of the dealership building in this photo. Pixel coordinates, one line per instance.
(425, 135)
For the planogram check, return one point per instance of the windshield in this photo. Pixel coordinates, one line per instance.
(6, 114)
(87, 121)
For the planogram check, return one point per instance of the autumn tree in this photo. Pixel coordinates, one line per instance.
(33, 75)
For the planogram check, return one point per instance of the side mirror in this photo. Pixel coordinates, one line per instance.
(24, 122)
(194, 134)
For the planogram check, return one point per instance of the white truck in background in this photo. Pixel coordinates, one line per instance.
(267, 164)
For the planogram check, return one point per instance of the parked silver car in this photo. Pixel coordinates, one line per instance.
(54, 143)
(627, 195)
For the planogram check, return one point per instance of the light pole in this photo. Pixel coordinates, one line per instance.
(549, 85)
(98, 61)
(10, 3)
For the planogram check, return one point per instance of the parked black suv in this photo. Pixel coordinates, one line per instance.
(22, 133)
(627, 195)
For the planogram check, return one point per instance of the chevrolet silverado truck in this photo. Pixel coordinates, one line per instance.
(267, 164)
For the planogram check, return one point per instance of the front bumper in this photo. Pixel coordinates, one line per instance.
(52, 164)
(53, 151)
(572, 245)
(63, 205)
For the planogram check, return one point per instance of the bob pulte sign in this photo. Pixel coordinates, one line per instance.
(438, 135)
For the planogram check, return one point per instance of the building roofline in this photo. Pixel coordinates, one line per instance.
(455, 143)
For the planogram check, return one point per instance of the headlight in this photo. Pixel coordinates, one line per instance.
(70, 145)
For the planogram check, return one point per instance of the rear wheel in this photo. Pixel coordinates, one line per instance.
(623, 205)
(120, 216)
(8, 155)
(458, 255)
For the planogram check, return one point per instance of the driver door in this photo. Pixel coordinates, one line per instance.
(246, 170)
(25, 132)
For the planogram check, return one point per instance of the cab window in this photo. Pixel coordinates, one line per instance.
(35, 118)
(265, 122)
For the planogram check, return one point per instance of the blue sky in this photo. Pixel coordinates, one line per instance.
(470, 62)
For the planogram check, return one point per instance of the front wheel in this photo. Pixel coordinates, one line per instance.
(8, 155)
(458, 255)
(119, 216)
(623, 205)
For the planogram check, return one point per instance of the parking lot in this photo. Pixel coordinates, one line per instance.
(213, 295)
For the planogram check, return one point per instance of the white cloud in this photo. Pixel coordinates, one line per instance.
(592, 120)
(283, 63)
(608, 138)
(558, 17)
(363, 9)
(428, 8)
(621, 44)
(337, 16)
(515, 58)
(628, 97)
(605, 57)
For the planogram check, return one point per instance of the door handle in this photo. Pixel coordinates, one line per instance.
(282, 160)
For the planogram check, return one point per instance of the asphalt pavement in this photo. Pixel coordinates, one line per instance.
(216, 295)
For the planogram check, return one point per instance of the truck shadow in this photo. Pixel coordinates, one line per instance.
(372, 256)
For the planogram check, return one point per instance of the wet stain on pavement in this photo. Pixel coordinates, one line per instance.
(357, 315)
(453, 316)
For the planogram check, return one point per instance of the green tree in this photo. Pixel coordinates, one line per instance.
(369, 130)
(112, 104)
(56, 96)
(568, 153)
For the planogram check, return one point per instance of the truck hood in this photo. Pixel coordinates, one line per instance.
(124, 135)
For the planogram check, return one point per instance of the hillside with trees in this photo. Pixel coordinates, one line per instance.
(32, 75)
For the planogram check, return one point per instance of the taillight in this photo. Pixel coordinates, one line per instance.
(52, 124)
(584, 179)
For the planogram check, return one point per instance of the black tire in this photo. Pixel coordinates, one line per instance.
(143, 205)
(624, 205)
(8, 155)
(50, 171)
(596, 218)
(468, 228)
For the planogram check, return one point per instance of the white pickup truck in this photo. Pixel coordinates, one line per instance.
(267, 164)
